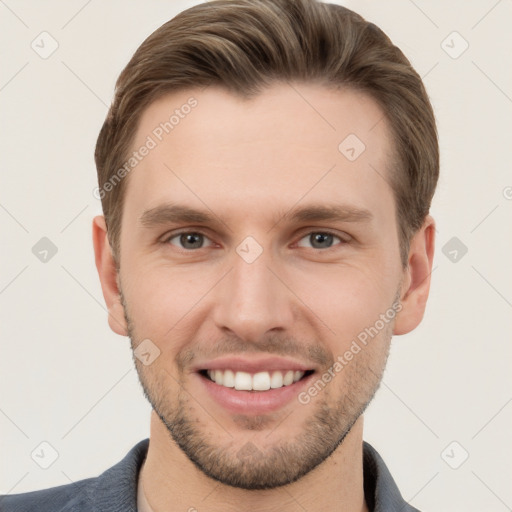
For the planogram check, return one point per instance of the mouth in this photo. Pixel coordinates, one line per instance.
(254, 391)
(260, 381)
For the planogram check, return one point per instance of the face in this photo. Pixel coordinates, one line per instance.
(261, 260)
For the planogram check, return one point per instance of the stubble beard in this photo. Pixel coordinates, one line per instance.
(246, 465)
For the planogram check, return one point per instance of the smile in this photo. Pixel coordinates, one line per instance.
(260, 381)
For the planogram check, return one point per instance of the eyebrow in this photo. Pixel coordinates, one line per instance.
(176, 213)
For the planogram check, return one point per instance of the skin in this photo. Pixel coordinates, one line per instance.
(250, 162)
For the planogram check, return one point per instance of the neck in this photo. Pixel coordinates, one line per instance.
(172, 482)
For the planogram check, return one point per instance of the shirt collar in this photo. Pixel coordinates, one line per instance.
(116, 488)
(380, 490)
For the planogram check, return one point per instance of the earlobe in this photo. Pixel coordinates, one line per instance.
(416, 284)
(108, 275)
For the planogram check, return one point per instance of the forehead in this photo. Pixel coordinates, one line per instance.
(290, 143)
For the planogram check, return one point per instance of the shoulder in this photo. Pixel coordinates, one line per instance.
(76, 496)
(113, 490)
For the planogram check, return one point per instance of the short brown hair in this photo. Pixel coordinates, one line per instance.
(244, 46)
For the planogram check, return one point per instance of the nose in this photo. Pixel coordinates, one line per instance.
(253, 300)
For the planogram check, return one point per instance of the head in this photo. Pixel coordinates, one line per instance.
(266, 171)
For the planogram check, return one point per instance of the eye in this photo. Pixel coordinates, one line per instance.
(320, 240)
(188, 240)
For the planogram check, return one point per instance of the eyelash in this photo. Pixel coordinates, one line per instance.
(170, 236)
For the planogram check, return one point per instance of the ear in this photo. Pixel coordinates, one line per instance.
(416, 284)
(108, 276)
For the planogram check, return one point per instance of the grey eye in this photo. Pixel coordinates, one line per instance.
(319, 240)
(189, 240)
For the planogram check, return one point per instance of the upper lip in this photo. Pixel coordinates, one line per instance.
(253, 365)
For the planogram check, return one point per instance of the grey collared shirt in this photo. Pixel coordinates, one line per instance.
(115, 490)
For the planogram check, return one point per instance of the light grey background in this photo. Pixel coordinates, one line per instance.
(67, 380)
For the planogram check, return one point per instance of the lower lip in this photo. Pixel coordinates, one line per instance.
(253, 402)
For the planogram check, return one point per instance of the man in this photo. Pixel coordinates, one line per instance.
(266, 171)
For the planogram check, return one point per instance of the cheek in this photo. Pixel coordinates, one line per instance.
(168, 304)
(345, 299)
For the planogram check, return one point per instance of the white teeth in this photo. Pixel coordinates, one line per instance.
(228, 379)
(288, 378)
(261, 381)
(218, 376)
(297, 375)
(243, 381)
(277, 380)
